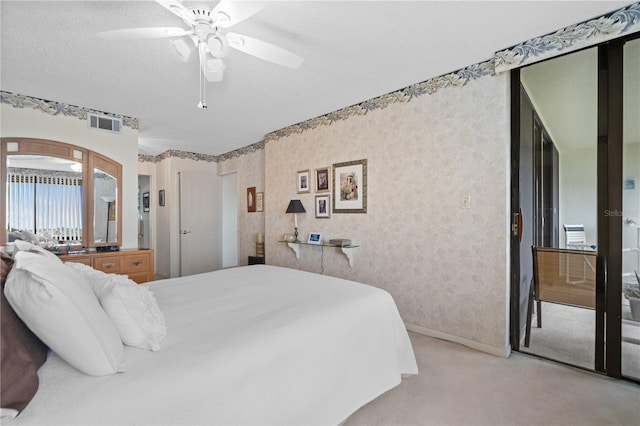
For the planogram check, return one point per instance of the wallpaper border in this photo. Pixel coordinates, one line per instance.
(175, 153)
(588, 33)
(58, 108)
(455, 79)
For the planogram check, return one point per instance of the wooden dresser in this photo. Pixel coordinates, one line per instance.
(136, 264)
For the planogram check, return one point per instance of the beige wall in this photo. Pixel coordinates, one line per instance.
(123, 148)
(446, 267)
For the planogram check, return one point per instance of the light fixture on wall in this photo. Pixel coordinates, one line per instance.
(295, 207)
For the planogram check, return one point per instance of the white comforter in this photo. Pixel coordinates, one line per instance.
(251, 345)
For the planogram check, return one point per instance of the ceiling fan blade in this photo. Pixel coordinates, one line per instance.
(178, 9)
(228, 12)
(264, 50)
(144, 33)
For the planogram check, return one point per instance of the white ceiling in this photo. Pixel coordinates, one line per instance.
(353, 51)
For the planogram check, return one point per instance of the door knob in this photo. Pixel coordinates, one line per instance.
(186, 232)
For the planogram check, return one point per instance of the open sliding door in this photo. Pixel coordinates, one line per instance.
(575, 185)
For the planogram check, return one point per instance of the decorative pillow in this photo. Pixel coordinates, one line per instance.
(132, 308)
(25, 246)
(98, 280)
(22, 354)
(59, 306)
(135, 314)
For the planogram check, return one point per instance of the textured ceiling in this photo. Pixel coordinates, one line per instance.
(353, 51)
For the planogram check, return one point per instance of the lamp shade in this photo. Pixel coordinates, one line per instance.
(295, 206)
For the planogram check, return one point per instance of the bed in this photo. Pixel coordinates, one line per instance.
(249, 345)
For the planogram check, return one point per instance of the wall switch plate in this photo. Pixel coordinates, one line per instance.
(465, 203)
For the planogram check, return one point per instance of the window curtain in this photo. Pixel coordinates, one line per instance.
(48, 205)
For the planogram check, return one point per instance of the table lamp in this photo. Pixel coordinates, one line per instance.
(295, 207)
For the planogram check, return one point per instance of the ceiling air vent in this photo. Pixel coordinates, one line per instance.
(107, 124)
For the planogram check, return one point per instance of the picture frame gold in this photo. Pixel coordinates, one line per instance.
(260, 201)
(350, 187)
(323, 179)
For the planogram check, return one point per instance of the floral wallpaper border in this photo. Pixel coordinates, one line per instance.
(618, 23)
(455, 79)
(58, 108)
(200, 157)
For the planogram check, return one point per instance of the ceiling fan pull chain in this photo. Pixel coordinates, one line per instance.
(203, 86)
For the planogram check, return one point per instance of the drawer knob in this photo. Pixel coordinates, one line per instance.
(137, 262)
(108, 265)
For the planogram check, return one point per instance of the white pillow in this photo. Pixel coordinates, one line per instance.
(26, 246)
(59, 306)
(135, 314)
(132, 308)
(98, 280)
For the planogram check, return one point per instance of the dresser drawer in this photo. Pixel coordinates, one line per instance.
(85, 260)
(107, 264)
(135, 263)
(138, 265)
(139, 277)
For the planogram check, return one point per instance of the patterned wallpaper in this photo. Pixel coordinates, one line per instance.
(444, 265)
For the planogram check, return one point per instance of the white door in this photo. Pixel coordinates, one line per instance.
(199, 223)
(230, 220)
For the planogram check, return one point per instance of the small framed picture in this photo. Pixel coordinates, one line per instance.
(161, 197)
(145, 202)
(315, 238)
(303, 181)
(322, 206)
(322, 179)
(260, 201)
(251, 199)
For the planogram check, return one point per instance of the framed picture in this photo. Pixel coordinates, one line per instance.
(350, 187)
(145, 202)
(303, 181)
(260, 201)
(161, 197)
(322, 179)
(315, 238)
(251, 199)
(322, 206)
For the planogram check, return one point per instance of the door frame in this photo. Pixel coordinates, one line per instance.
(608, 358)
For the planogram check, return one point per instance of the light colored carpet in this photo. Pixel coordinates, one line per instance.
(568, 335)
(462, 386)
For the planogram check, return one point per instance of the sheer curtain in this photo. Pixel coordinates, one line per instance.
(48, 204)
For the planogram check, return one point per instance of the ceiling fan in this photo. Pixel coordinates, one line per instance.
(207, 34)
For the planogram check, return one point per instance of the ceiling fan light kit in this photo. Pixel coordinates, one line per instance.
(206, 34)
(183, 50)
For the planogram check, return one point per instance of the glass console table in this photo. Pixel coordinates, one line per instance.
(346, 250)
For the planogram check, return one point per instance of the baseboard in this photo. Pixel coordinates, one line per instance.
(493, 350)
